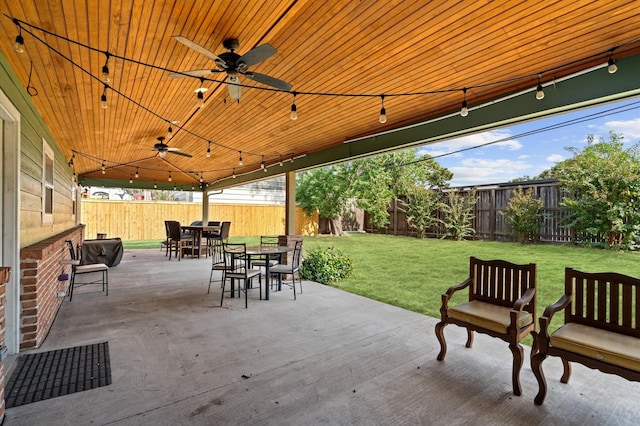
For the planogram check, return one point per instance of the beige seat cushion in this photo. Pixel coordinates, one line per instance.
(607, 346)
(487, 315)
(93, 267)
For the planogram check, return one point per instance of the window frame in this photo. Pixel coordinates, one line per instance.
(48, 188)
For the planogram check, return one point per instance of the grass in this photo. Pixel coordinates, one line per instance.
(413, 273)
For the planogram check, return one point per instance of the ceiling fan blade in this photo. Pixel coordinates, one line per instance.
(257, 54)
(201, 50)
(269, 81)
(193, 73)
(233, 86)
(184, 154)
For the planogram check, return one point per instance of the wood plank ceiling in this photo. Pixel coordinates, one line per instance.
(324, 47)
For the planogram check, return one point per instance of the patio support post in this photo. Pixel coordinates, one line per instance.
(290, 203)
(205, 207)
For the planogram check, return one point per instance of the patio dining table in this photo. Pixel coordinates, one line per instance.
(266, 252)
(196, 232)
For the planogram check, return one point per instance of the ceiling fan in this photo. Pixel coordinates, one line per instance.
(163, 149)
(234, 65)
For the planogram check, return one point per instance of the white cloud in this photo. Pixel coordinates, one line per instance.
(470, 141)
(555, 158)
(482, 171)
(629, 128)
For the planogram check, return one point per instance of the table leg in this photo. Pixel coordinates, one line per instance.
(266, 278)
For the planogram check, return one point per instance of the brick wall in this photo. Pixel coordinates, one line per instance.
(4, 278)
(39, 271)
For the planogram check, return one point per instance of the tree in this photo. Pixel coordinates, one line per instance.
(459, 214)
(523, 215)
(325, 190)
(420, 208)
(604, 182)
(376, 181)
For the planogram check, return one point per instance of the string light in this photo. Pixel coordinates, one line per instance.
(103, 167)
(233, 173)
(539, 91)
(281, 164)
(464, 110)
(175, 187)
(383, 112)
(19, 44)
(169, 177)
(130, 179)
(201, 178)
(137, 174)
(200, 93)
(155, 185)
(262, 163)
(105, 68)
(240, 159)
(294, 110)
(208, 154)
(103, 98)
(169, 132)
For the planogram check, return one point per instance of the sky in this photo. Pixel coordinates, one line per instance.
(527, 149)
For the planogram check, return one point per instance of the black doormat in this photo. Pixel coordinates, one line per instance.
(46, 375)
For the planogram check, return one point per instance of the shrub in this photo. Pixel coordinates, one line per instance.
(523, 215)
(458, 215)
(326, 265)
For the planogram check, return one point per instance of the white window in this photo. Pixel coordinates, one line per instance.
(47, 183)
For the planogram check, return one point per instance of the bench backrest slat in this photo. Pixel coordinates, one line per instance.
(606, 300)
(500, 282)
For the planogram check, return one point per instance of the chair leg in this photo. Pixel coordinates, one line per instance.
(518, 358)
(105, 281)
(440, 335)
(536, 367)
(73, 280)
(567, 371)
(469, 338)
(222, 295)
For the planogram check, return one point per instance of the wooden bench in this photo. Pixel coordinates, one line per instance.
(601, 327)
(502, 304)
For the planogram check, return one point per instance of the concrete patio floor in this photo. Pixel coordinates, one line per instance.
(178, 358)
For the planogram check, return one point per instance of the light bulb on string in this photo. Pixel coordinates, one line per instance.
(105, 68)
(130, 179)
(155, 185)
(233, 173)
(281, 164)
(240, 159)
(103, 98)
(208, 154)
(383, 112)
(200, 93)
(103, 167)
(262, 163)
(169, 132)
(169, 179)
(137, 174)
(175, 187)
(611, 66)
(18, 46)
(201, 178)
(464, 110)
(294, 110)
(539, 90)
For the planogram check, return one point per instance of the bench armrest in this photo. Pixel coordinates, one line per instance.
(545, 319)
(525, 299)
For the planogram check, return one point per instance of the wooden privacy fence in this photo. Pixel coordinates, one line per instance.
(488, 223)
(144, 220)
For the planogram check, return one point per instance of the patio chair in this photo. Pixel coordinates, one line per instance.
(166, 243)
(177, 240)
(292, 269)
(502, 304)
(208, 236)
(274, 259)
(77, 268)
(218, 240)
(236, 268)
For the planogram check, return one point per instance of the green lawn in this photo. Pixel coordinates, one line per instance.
(412, 273)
